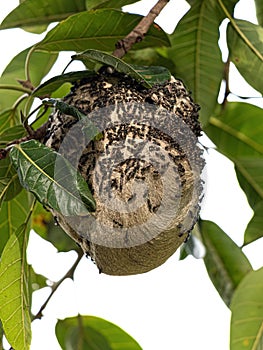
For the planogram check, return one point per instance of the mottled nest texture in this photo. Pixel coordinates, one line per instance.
(143, 168)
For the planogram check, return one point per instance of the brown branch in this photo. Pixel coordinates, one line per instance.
(138, 33)
(69, 274)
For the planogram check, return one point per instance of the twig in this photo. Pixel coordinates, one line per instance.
(138, 33)
(55, 286)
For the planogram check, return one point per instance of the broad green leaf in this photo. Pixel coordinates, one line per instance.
(37, 281)
(154, 74)
(196, 55)
(12, 215)
(116, 4)
(259, 11)
(51, 85)
(14, 297)
(149, 57)
(40, 65)
(38, 12)
(89, 332)
(225, 262)
(45, 225)
(9, 182)
(51, 178)
(237, 133)
(7, 118)
(246, 331)
(146, 75)
(246, 52)
(10, 134)
(99, 29)
(254, 228)
(252, 191)
(107, 59)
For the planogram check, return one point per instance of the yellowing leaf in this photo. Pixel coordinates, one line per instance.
(247, 313)
(14, 298)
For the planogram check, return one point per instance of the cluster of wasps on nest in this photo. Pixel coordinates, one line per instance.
(144, 169)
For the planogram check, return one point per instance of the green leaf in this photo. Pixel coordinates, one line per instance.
(245, 43)
(116, 4)
(99, 29)
(91, 333)
(45, 225)
(246, 331)
(149, 57)
(14, 297)
(37, 281)
(12, 215)
(147, 75)
(237, 133)
(254, 229)
(38, 12)
(225, 262)
(107, 59)
(56, 82)
(40, 65)
(196, 54)
(259, 11)
(7, 118)
(51, 178)
(9, 182)
(10, 134)
(1, 336)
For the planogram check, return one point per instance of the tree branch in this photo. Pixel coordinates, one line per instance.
(69, 274)
(138, 33)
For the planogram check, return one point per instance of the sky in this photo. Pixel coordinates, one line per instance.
(174, 306)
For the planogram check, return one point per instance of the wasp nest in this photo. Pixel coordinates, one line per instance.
(143, 169)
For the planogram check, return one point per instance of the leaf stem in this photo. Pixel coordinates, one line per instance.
(18, 101)
(28, 57)
(69, 274)
(138, 33)
(15, 88)
(239, 31)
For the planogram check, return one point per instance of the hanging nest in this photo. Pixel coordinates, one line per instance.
(143, 168)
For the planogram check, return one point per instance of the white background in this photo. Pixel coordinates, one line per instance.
(174, 306)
